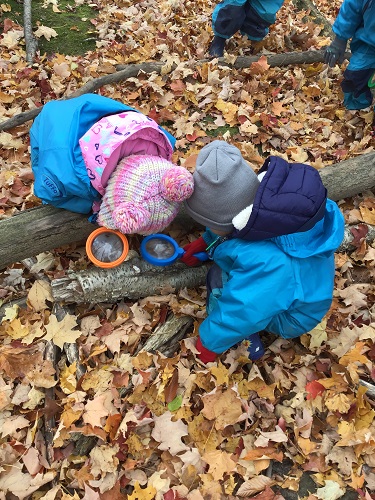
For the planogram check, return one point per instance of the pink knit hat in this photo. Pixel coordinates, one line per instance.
(144, 194)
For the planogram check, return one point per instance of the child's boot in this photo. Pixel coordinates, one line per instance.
(217, 47)
(256, 348)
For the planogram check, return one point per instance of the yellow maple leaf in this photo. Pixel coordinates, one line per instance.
(220, 463)
(338, 402)
(354, 355)
(62, 331)
(318, 335)
(229, 111)
(68, 379)
(368, 215)
(278, 109)
(223, 407)
(45, 31)
(262, 389)
(142, 493)
(10, 313)
(39, 293)
(221, 373)
(16, 330)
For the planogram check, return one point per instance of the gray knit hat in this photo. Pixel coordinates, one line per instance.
(224, 184)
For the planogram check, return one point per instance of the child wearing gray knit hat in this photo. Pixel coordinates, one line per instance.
(272, 238)
(225, 185)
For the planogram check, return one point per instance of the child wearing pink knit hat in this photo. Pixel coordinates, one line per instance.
(92, 153)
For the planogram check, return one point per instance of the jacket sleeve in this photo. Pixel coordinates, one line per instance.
(349, 18)
(257, 290)
(50, 186)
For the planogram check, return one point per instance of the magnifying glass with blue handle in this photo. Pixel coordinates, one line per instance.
(162, 250)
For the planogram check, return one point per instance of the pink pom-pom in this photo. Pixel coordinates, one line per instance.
(176, 184)
(130, 218)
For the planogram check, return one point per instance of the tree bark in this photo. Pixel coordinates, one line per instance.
(44, 228)
(39, 229)
(133, 279)
(30, 41)
(316, 15)
(131, 70)
(347, 242)
(166, 336)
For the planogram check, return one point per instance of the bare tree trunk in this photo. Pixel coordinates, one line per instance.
(30, 41)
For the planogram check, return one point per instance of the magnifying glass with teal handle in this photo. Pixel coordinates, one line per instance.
(162, 250)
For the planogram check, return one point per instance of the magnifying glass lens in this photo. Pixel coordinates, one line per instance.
(107, 247)
(159, 248)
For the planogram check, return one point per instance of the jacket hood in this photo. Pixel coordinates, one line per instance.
(291, 198)
(321, 240)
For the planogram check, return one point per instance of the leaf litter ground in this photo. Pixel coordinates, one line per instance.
(143, 426)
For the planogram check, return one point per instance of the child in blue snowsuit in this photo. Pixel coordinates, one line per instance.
(92, 153)
(272, 238)
(355, 21)
(251, 17)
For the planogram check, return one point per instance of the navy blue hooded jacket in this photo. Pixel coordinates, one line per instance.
(278, 269)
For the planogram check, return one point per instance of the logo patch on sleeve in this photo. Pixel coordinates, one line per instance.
(51, 185)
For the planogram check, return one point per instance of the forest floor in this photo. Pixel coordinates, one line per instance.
(296, 424)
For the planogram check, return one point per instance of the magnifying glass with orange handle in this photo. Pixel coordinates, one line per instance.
(107, 248)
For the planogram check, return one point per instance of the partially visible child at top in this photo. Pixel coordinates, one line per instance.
(272, 238)
(251, 17)
(356, 22)
(94, 153)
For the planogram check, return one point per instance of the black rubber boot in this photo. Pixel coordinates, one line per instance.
(217, 47)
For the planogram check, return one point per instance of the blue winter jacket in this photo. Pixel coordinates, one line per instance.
(281, 283)
(356, 20)
(61, 177)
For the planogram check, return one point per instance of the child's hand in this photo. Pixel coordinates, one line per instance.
(205, 355)
(335, 53)
(196, 246)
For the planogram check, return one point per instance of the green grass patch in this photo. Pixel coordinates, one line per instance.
(213, 131)
(75, 33)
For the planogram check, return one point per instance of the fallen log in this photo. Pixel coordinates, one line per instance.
(44, 228)
(132, 70)
(39, 229)
(133, 279)
(167, 335)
